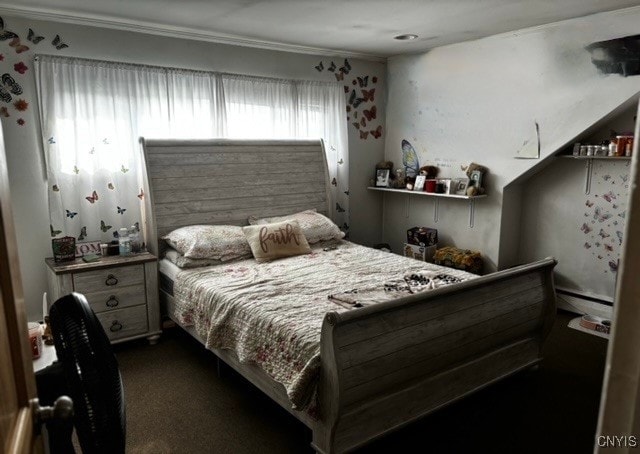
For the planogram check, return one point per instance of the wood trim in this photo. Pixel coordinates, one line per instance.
(108, 261)
(23, 436)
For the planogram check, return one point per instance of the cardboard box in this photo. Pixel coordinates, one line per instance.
(424, 253)
(422, 236)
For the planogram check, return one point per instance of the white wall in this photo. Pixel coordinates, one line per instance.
(24, 151)
(478, 101)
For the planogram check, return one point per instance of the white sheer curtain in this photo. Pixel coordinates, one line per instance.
(270, 108)
(93, 113)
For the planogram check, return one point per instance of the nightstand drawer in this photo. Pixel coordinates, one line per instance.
(124, 322)
(108, 278)
(116, 298)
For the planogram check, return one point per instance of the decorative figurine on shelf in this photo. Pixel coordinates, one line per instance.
(399, 182)
(476, 174)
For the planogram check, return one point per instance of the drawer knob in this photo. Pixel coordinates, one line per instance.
(115, 326)
(111, 280)
(112, 301)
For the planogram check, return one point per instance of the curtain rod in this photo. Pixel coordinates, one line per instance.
(169, 68)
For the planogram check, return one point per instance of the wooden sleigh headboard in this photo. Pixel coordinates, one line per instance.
(224, 181)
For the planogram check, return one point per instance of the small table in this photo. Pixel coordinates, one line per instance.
(47, 357)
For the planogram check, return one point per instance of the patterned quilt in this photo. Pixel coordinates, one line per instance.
(271, 313)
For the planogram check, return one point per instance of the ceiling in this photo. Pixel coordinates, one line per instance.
(350, 27)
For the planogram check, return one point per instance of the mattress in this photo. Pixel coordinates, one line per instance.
(271, 314)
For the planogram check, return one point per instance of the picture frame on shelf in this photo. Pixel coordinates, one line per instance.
(460, 186)
(476, 177)
(382, 178)
(419, 183)
(446, 185)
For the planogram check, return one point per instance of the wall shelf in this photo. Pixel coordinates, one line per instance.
(437, 197)
(589, 165)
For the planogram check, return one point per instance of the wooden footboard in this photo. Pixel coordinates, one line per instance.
(386, 365)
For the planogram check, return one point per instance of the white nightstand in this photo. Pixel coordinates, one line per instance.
(121, 290)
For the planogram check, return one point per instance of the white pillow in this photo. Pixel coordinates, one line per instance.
(314, 226)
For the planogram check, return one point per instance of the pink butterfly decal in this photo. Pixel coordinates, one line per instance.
(364, 134)
(368, 95)
(93, 197)
(609, 196)
(585, 228)
(141, 195)
(371, 113)
(600, 216)
(608, 247)
(587, 246)
(603, 234)
(377, 132)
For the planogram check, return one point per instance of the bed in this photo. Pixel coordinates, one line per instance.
(379, 366)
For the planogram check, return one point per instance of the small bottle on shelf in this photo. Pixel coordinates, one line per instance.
(124, 242)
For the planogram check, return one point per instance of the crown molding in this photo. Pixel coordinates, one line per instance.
(94, 20)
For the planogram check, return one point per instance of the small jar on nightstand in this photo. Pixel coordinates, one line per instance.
(121, 290)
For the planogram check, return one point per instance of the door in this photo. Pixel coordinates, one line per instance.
(17, 382)
(619, 422)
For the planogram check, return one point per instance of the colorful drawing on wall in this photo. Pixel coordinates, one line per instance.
(617, 56)
(409, 159)
(602, 231)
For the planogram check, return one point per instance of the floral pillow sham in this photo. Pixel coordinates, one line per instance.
(218, 242)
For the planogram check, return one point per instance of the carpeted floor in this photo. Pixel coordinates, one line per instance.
(176, 403)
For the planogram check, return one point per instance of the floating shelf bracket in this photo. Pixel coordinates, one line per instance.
(587, 180)
(472, 212)
(436, 206)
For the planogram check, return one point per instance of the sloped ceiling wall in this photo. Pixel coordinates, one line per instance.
(479, 101)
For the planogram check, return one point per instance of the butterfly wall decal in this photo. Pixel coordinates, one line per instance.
(76, 170)
(8, 87)
(368, 95)
(356, 124)
(587, 246)
(104, 227)
(363, 81)
(93, 150)
(341, 161)
(123, 169)
(346, 192)
(371, 113)
(31, 36)
(409, 159)
(357, 102)
(609, 196)
(332, 67)
(363, 122)
(51, 140)
(58, 44)
(364, 134)
(600, 216)
(319, 67)
(376, 132)
(18, 46)
(54, 232)
(603, 234)
(339, 209)
(71, 214)
(5, 34)
(83, 233)
(121, 210)
(93, 197)
(346, 67)
(141, 195)
(4, 112)
(334, 182)
(55, 188)
(111, 186)
(608, 247)
(589, 203)
(585, 228)
(613, 266)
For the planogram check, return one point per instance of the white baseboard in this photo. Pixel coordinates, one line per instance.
(582, 306)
